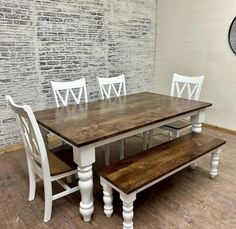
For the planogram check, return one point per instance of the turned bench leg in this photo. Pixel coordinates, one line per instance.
(214, 163)
(107, 199)
(127, 201)
(128, 212)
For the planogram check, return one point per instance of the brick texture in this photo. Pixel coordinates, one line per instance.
(64, 40)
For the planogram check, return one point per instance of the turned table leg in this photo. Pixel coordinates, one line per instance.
(84, 157)
(86, 189)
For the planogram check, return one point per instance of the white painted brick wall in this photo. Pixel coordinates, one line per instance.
(68, 39)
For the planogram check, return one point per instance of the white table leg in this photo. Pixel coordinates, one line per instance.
(85, 157)
(196, 121)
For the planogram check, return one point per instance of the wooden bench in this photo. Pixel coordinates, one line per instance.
(136, 173)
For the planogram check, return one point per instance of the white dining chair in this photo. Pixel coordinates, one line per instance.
(114, 86)
(49, 166)
(63, 90)
(188, 87)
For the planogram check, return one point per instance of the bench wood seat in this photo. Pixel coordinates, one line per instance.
(180, 124)
(136, 173)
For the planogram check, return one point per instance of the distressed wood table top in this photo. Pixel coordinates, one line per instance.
(90, 122)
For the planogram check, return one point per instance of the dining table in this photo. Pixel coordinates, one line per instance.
(89, 125)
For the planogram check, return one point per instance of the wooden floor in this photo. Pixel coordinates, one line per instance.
(188, 199)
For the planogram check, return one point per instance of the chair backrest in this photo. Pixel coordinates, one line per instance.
(74, 87)
(186, 86)
(33, 141)
(109, 85)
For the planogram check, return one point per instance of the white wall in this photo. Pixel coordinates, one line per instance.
(192, 39)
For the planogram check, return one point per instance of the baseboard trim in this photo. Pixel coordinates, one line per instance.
(12, 148)
(20, 146)
(224, 130)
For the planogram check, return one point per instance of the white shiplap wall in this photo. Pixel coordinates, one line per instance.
(192, 39)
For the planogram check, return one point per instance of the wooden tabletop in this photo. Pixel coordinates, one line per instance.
(90, 122)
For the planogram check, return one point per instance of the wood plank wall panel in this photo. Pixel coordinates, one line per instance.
(192, 39)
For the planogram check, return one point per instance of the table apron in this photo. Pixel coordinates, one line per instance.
(130, 133)
(146, 128)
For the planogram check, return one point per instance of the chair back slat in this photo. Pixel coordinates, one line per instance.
(112, 86)
(32, 138)
(186, 86)
(63, 90)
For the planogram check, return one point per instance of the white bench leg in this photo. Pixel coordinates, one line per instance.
(214, 163)
(128, 212)
(107, 199)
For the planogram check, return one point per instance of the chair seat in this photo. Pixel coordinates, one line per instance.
(180, 124)
(61, 160)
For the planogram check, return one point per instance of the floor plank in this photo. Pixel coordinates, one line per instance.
(188, 199)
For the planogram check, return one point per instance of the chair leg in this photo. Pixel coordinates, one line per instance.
(122, 149)
(32, 179)
(32, 186)
(69, 179)
(194, 165)
(145, 140)
(128, 212)
(107, 199)
(175, 134)
(214, 163)
(107, 154)
(150, 138)
(48, 201)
